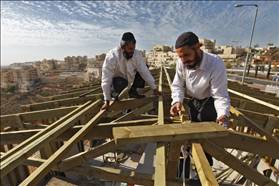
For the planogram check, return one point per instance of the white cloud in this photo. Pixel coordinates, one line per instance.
(100, 24)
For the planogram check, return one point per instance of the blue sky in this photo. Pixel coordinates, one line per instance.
(33, 30)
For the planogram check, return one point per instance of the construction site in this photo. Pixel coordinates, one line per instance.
(68, 140)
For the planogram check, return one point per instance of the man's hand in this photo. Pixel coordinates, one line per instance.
(223, 120)
(105, 105)
(156, 92)
(176, 108)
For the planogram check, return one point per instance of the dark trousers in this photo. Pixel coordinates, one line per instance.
(199, 110)
(119, 83)
(202, 110)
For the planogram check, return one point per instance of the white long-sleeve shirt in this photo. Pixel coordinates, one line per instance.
(209, 79)
(116, 65)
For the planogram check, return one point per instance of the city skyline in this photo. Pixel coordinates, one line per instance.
(33, 30)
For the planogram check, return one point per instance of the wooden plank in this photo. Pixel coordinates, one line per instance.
(35, 162)
(76, 94)
(131, 103)
(82, 157)
(233, 162)
(203, 168)
(103, 130)
(41, 171)
(119, 175)
(35, 177)
(260, 118)
(81, 88)
(52, 126)
(274, 107)
(173, 159)
(63, 102)
(160, 166)
(268, 97)
(32, 144)
(168, 132)
(22, 145)
(135, 113)
(250, 105)
(252, 124)
(255, 94)
(11, 120)
(175, 147)
(248, 143)
(46, 114)
(160, 159)
(15, 137)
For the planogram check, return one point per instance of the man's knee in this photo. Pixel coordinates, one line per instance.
(119, 84)
(138, 81)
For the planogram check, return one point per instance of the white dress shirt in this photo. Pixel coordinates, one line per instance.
(116, 65)
(209, 79)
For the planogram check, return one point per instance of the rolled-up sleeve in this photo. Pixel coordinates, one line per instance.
(107, 75)
(178, 85)
(145, 72)
(219, 89)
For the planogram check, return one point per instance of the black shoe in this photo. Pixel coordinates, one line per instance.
(136, 95)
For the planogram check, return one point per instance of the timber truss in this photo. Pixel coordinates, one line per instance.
(53, 136)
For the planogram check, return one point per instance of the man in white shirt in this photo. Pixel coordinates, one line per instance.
(125, 66)
(203, 77)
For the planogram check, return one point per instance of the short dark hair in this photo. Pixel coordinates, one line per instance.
(128, 37)
(186, 39)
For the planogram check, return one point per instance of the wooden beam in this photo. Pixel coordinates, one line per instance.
(52, 126)
(32, 144)
(10, 120)
(168, 132)
(75, 94)
(160, 159)
(131, 103)
(252, 124)
(41, 171)
(82, 157)
(35, 162)
(261, 118)
(250, 105)
(269, 105)
(174, 147)
(47, 114)
(30, 126)
(160, 167)
(15, 137)
(233, 162)
(254, 92)
(35, 176)
(135, 113)
(62, 102)
(119, 175)
(203, 168)
(247, 143)
(103, 130)
(173, 159)
(88, 87)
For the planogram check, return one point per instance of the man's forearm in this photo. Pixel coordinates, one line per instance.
(106, 92)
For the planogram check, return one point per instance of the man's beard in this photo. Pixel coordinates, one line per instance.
(128, 55)
(196, 62)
